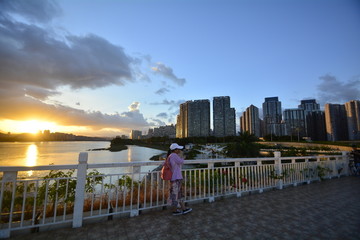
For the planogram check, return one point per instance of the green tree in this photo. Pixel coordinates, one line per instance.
(244, 146)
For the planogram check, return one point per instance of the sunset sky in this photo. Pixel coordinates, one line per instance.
(104, 67)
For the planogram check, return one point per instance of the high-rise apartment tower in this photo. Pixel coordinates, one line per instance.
(193, 119)
(336, 122)
(223, 117)
(250, 121)
(272, 116)
(353, 119)
(309, 105)
(294, 122)
(315, 126)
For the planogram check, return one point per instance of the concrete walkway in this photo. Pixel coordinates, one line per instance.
(322, 210)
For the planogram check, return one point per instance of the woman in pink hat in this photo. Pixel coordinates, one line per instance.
(176, 197)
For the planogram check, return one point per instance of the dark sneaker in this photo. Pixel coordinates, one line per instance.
(177, 212)
(187, 210)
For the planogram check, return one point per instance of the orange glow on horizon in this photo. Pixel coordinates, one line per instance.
(29, 126)
(36, 126)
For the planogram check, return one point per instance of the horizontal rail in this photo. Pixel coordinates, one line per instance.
(150, 163)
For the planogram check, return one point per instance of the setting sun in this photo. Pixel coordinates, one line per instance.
(30, 126)
(34, 126)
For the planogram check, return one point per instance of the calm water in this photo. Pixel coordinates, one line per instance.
(62, 153)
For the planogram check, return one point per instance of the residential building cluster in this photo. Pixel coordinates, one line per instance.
(162, 131)
(194, 118)
(337, 122)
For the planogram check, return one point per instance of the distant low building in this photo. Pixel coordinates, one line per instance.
(135, 134)
(162, 131)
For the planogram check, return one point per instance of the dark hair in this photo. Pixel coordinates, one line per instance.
(169, 152)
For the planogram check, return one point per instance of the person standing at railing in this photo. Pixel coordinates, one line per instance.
(356, 156)
(176, 195)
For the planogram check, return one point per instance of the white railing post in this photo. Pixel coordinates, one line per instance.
(210, 169)
(134, 212)
(80, 190)
(238, 181)
(278, 169)
(8, 177)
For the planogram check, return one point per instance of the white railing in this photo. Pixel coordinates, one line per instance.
(70, 194)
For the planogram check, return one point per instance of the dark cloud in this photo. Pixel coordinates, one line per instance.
(34, 10)
(170, 103)
(331, 90)
(158, 122)
(162, 115)
(162, 91)
(39, 93)
(36, 61)
(168, 73)
(29, 55)
(68, 116)
(173, 105)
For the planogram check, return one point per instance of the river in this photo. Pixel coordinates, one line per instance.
(63, 153)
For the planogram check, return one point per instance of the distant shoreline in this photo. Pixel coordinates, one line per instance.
(117, 148)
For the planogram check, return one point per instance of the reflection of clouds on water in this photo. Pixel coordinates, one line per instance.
(31, 157)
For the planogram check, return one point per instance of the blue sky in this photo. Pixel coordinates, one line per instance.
(102, 68)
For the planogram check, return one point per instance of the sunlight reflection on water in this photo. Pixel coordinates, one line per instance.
(31, 157)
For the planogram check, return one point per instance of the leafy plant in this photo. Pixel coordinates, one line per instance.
(286, 173)
(319, 171)
(322, 171)
(126, 181)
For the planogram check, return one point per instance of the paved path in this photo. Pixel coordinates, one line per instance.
(323, 210)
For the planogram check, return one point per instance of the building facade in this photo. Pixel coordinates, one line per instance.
(135, 134)
(193, 119)
(294, 122)
(223, 117)
(272, 116)
(336, 122)
(315, 126)
(162, 131)
(353, 119)
(309, 105)
(250, 121)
